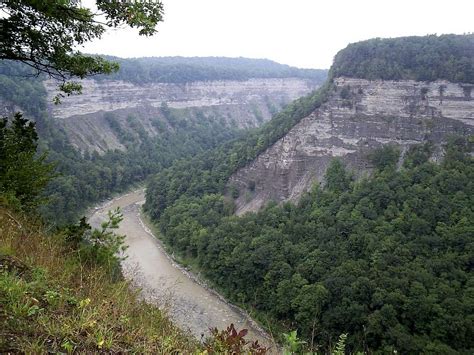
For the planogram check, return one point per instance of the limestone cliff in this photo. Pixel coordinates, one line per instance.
(239, 103)
(358, 116)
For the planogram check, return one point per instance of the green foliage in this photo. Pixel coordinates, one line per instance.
(292, 345)
(234, 191)
(45, 34)
(88, 178)
(53, 300)
(23, 174)
(385, 157)
(19, 86)
(340, 345)
(337, 179)
(207, 173)
(102, 246)
(428, 58)
(385, 259)
(184, 70)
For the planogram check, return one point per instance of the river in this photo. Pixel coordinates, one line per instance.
(191, 305)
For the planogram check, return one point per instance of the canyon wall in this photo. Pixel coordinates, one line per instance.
(238, 103)
(359, 115)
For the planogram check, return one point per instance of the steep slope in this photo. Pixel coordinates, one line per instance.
(383, 259)
(365, 113)
(360, 115)
(57, 297)
(240, 104)
(141, 119)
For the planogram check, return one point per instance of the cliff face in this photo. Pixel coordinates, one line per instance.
(238, 103)
(359, 116)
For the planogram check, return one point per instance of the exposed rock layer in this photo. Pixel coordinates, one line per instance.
(242, 103)
(360, 115)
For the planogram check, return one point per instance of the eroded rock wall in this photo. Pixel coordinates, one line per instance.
(359, 116)
(242, 103)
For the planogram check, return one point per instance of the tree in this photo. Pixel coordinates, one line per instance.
(23, 175)
(385, 157)
(337, 178)
(44, 34)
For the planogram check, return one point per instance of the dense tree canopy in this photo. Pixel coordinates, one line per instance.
(184, 70)
(387, 259)
(428, 58)
(86, 178)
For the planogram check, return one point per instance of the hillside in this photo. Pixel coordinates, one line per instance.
(58, 297)
(360, 115)
(130, 125)
(92, 120)
(193, 69)
(367, 108)
(234, 93)
(352, 249)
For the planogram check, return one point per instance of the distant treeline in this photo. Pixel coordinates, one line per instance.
(85, 178)
(183, 70)
(428, 58)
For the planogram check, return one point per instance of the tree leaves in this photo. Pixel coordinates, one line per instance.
(45, 34)
(385, 260)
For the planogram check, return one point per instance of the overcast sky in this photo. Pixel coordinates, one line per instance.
(302, 33)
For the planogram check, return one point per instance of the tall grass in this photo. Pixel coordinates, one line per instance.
(52, 301)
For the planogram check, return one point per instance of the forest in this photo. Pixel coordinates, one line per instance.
(427, 58)
(84, 178)
(386, 259)
(189, 69)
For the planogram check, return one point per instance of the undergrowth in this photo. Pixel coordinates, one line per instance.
(52, 300)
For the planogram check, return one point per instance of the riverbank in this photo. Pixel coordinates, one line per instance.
(187, 300)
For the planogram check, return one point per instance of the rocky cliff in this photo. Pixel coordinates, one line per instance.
(243, 104)
(358, 116)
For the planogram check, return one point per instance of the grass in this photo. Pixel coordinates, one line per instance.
(52, 301)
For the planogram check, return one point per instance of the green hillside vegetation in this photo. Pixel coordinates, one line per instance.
(19, 86)
(57, 298)
(86, 178)
(428, 58)
(63, 292)
(208, 173)
(352, 257)
(190, 69)
(385, 259)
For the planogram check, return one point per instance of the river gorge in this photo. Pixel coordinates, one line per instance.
(191, 305)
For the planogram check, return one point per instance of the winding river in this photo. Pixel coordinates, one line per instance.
(192, 306)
